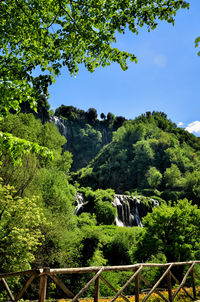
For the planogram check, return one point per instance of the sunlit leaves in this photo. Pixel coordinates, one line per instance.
(15, 147)
(47, 35)
(171, 230)
(197, 42)
(20, 233)
(51, 34)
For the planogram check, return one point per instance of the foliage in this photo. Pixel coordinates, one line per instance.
(70, 112)
(86, 219)
(154, 154)
(85, 134)
(91, 114)
(105, 212)
(51, 186)
(146, 156)
(171, 230)
(86, 144)
(173, 177)
(110, 117)
(83, 33)
(23, 138)
(102, 116)
(197, 41)
(99, 204)
(119, 244)
(43, 109)
(21, 170)
(49, 181)
(154, 177)
(20, 229)
(16, 148)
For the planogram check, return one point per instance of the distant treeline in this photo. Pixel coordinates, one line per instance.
(72, 113)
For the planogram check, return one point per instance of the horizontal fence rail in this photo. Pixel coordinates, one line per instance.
(167, 277)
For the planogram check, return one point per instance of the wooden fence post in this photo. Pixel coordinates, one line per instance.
(137, 290)
(96, 290)
(43, 284)
(193, 284)
(169, 286)
(7, 289)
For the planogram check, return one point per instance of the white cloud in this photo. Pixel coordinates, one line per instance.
(160, 60)
(180, 124)
(193, 127)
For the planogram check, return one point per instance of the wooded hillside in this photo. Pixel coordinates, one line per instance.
(148, 158)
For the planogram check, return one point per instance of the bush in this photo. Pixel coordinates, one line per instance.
(105, 212)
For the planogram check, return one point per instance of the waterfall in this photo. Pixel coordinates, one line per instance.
(60, 123)
(130, 210)
(127, 210)
(137, 217)
(80, 200)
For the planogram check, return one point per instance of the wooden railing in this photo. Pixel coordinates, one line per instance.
(167, 277)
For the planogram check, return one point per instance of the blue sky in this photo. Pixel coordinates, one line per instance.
(166, 77)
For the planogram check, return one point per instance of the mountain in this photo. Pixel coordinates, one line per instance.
(85, 133)
(149, 153)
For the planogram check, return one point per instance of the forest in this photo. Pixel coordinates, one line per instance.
(142, 174)
(149, 158)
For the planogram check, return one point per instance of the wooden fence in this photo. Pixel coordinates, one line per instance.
(168, 278)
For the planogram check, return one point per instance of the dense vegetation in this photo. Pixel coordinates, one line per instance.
(83, 33)
(37, 222)
(148, 156)
(85, 133)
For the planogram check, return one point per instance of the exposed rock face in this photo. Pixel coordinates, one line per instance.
(62, 125)
(84, 139)
(130, 210)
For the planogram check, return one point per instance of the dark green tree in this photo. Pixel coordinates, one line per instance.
(172, 231)
(91, 114)
(110, 117)
(103, 116)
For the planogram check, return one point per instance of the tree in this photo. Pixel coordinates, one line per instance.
(172, 177)
(103, 116)
(171, 230)
(110, 117)
(143, 159)
(91, 114)
(51, 34)
(25, 126)
(20, 229)
(154, 177)
(48, 35)
(119, 121)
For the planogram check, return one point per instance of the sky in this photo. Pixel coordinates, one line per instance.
(166, 77)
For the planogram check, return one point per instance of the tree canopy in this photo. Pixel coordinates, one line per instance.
(171, 230)
(48, 35)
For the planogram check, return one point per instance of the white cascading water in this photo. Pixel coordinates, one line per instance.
(127, 210)
(60, 123)
(130, 209)
(80, 201)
